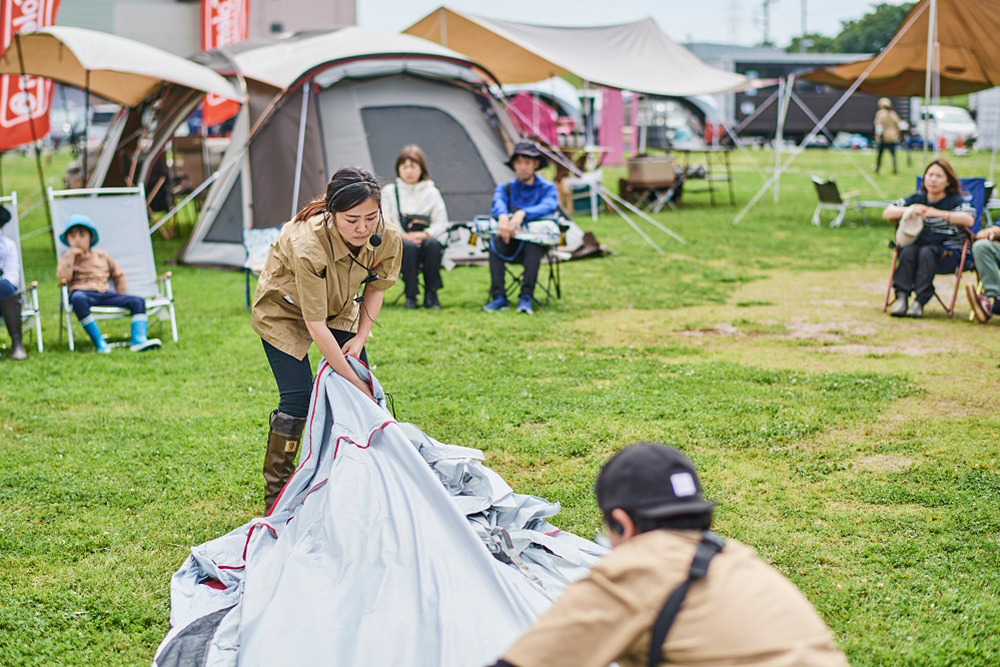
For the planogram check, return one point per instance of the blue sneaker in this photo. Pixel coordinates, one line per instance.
(524, 305)
(497, 304)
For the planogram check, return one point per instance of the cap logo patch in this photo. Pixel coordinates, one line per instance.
(683, 484)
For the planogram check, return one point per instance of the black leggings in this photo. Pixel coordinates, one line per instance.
(294, 376)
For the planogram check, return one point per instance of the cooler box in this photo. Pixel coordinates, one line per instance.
(651, 171)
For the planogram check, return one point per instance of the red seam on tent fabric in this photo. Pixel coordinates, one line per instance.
(557, 530)
(214, 583)
(322, 368)
(250, 534)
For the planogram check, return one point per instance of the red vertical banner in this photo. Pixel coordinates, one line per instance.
(223, 22)
(24, 100)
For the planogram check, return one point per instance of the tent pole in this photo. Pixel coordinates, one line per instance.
(829, 114)
(34, 140)
(996, 135)
(929, 66)
(301, 148)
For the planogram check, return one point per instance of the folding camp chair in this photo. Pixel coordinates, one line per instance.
(552, 286)
(992, 203)
(453, 234)
(257, 243)
(975, 190)
(30, 316)
(830, 198)
(121, 220)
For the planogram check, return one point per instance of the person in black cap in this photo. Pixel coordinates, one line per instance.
(527, 198)
(737, 610)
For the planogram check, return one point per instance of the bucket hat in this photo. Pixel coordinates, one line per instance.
(909, 228)
(77, 220)
(527, 149)
(650, 480)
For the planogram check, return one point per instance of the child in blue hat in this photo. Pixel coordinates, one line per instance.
(86, 272)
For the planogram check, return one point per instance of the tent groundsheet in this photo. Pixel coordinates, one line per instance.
(386, 547)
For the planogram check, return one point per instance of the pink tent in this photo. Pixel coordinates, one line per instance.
(538, 118)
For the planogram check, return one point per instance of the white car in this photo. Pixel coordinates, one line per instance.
(951, 123)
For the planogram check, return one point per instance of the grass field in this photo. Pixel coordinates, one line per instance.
(859, 455)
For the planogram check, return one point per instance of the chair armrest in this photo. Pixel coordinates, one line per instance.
(851, 194)
(33, 284)
(165, 276)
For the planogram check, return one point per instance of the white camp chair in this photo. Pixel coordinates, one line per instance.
(831, 198)
(258, 246)
(30, 317)
(119, 215)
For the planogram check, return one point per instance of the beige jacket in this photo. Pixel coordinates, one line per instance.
(90, 271)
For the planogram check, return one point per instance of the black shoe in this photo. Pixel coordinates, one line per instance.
(899, 308)
(431, 301)
(411, 302)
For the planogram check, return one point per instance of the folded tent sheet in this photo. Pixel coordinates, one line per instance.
(385, 548)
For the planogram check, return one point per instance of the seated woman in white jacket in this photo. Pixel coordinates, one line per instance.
(413, 204)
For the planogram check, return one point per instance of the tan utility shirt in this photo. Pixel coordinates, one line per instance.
(90, 271)
(887, 126)
(743, 613)
(309, 276)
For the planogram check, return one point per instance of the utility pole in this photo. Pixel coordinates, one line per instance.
(767, 21)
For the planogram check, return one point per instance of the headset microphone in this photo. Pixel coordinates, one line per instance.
(375, 240)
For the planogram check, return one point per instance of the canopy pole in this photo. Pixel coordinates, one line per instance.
(829, 114)
(996, 135)
(784, 88)
(34, 140)
(86, 122)
(301, 148)
(929, 66)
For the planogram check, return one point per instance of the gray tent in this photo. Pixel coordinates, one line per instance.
(348, 97)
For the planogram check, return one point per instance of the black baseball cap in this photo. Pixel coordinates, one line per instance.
(650, 480)
(527, 149)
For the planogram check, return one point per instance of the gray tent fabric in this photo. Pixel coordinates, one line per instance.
(386, 547)
(361, 117)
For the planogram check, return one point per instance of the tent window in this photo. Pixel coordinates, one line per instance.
(456, 166)
(228, 224)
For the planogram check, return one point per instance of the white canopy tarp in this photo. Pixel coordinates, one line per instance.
(385, 548)
(283, 63)
(635, 56)
(120, 70)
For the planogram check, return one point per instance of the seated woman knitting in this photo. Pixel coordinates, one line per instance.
(414, 206)
(938, 247)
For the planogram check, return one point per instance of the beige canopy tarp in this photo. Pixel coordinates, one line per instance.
(635, 56)
(969, 38)
(120, 70)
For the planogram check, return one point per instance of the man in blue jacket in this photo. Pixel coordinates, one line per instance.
(526, 198)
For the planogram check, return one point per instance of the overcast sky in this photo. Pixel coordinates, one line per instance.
(737, 21)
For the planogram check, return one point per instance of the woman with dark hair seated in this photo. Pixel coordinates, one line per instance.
(415, 207)
(938, 247)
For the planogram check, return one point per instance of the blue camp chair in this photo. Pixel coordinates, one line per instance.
(975, 190)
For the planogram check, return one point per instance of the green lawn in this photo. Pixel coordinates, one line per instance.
(856, 453)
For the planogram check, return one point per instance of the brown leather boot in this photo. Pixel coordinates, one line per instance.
(279, 461)
(10, 309)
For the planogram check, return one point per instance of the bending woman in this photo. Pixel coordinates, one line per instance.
(414, 205)
(938, 248)
(306, 294)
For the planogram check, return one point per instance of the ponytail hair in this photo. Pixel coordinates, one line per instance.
(349, 187)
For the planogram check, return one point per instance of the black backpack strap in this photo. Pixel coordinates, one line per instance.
(507, 189)
(399, 210)
(710, 545)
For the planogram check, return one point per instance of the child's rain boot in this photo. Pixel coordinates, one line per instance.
(139, 341)
(90, 326)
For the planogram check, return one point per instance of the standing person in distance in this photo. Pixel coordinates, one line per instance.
(333, 247)
(415, 207)
(719, 603)
(10, 288)
(527, 198)
(886, 132)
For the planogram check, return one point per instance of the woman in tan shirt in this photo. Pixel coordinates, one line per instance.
(307, 294)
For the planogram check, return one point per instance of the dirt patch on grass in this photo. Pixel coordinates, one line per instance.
(885, 463)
